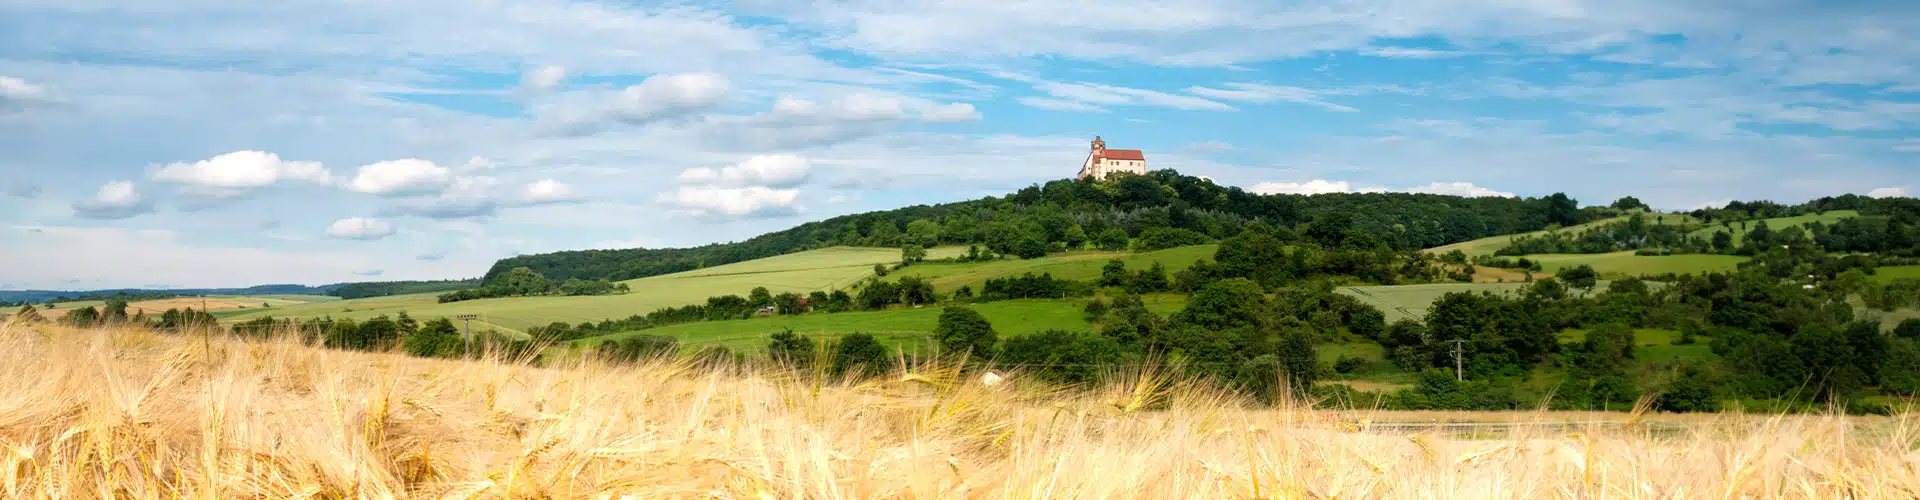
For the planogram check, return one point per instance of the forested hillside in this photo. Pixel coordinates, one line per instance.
(1170, 207)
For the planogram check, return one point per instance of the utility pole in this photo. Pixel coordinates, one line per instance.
(1459, 346)
(468, 336)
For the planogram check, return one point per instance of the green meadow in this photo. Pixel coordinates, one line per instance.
(1890, 274)
(1625, 263)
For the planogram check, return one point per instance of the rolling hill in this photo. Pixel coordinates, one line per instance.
(822, 269)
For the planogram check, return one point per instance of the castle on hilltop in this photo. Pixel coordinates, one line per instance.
(1102, 162)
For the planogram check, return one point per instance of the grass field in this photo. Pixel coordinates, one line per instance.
(133, 414)
(1890, 274)
(907, 328)
(1412, 301)
(214, 303)
(1084, 265)
(1490, 244)
(1775, 224)
(1628, 264)
(801, 272)
(1400, 302)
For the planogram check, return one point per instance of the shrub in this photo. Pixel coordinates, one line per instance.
(1159, 238)
(861, 354)
(963, 330)
(1349, 364)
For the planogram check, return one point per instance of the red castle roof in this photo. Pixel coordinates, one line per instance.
(1121, 154)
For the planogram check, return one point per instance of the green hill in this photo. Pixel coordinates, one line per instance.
(1740, 229)
(821, 269)
(1490, 244)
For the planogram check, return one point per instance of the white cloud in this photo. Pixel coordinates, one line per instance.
(1323, 186)
(656, 98)
(400, 177)
(732, 202)
(861, 106)
(463, 197)
(778, 170)
(1316, 186)
(1908, 146)
(1052, 104)
(955, 112)
(1888, 192)
(1466, 189)
(796, 122)
(1410, 53)
(548, 191)
(17, 94)
(1078, 96)
(546, 77)
(234, 173)
(478, 163)
(1263, 93)
(356, 228)
(114, 200)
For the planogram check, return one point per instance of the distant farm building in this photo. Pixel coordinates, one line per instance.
(1102, 162)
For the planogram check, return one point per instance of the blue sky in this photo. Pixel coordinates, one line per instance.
(210, 143)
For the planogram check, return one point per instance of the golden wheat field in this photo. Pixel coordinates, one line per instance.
(134, 414)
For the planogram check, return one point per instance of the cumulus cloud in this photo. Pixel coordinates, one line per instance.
(400, 178)
(796, 122)
(779, 170)
(478, 163)
(114, 200)
(1323, 186)
(356, 228)
(1888, 192)
(548, 191)
(1316, 186)
(17, 94)
(656, 98)
(761, 186)
(1466, 189)
(234, 173)
(732, 202)
(546, 77)
(463, 197)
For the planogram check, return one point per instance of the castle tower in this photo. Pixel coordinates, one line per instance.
(1099, 145)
